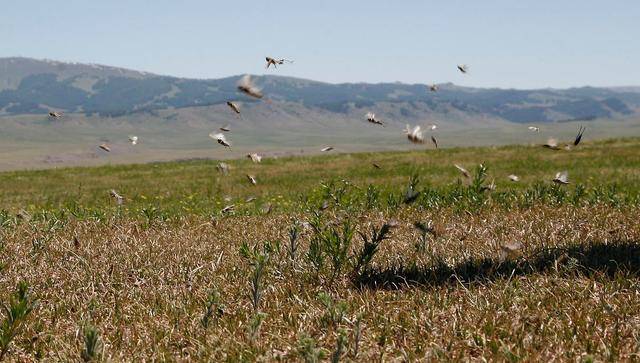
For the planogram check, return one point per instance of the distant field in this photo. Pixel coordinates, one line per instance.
(197, 187)
(33, 142)
(334, 259)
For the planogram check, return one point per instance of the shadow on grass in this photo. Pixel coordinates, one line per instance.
(586, 260)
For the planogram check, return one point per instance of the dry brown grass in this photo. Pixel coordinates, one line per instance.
(144, 288)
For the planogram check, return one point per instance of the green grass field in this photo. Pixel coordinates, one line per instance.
(335, 259)
(196, 187)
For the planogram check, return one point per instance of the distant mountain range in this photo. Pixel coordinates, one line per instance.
(29, 86)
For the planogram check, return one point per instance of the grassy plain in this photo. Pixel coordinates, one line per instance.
(33, 142)
(327, 263)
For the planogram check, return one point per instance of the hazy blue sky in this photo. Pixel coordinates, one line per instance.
(506, 43)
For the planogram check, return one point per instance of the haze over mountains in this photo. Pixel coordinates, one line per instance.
(173, 116)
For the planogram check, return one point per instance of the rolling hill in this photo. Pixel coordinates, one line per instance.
(29, 86)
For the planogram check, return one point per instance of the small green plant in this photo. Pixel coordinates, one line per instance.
(612, 195)
(425, 229)
(315, 254)
(5, 219)
(370, 247)
(332, 242)
(256, 282)
(20, 306)
(372, 197)
(213, 308)
(479, 179)
(153, 215)
(357, 336)
(394, 200)
(258, 260)
(578, 194)
(558, 193)
(92, 348)
(336, 242)
(338, 192)
(412, 193)
(254, 326)
(334, 311)
(294, 234)
(341, 342)
(309, 350)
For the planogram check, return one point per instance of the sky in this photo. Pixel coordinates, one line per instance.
(505, 43)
